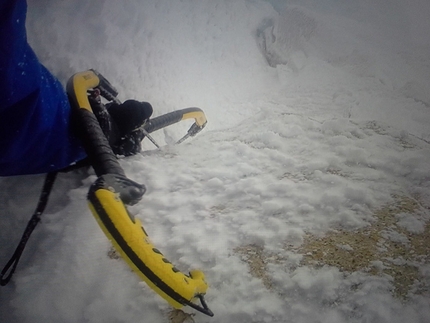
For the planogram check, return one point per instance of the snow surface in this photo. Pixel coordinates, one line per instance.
(296, 93)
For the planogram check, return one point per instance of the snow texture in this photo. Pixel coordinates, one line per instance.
(318, 114)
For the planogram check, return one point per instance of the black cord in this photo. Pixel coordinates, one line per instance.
(9, 269)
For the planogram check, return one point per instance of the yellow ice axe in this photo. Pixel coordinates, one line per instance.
(109, 194)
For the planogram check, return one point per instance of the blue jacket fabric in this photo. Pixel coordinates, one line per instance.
(35, 131)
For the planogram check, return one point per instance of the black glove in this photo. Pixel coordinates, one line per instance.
(128, 117)
(121, 123)
(129, 144)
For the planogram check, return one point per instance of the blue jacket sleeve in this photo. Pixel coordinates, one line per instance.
(35, 130)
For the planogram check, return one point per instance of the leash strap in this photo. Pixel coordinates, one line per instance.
(9, 269)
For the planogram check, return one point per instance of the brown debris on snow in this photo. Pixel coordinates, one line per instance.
(382, 248)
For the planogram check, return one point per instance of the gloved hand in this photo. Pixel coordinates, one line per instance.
(129, 144)
(129, 117)
(121, 124)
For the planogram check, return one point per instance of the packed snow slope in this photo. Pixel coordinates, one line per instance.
(318, 119)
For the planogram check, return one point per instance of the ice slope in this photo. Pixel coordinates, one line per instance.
(318, 115)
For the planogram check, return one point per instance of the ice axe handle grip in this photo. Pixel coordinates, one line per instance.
(96, 144)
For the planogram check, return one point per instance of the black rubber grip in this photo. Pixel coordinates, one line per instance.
(96, 144)
(163, 121)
